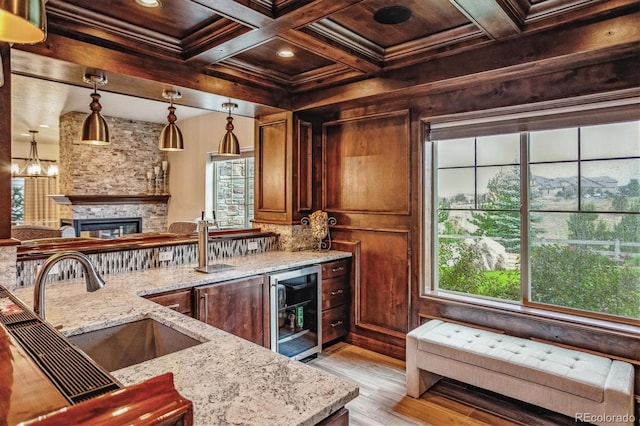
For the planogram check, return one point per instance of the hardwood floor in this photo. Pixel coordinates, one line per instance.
(383, 402)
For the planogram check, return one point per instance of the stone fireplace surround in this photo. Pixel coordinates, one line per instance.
(115, 173)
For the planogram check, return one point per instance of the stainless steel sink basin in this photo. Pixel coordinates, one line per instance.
(132, 343)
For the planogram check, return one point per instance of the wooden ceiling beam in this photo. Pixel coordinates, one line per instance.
(527, 55)
(236, 11)
(329, 51)
(94, 57)
(490, 16)
(300, 17)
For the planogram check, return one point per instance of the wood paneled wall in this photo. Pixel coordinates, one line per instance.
(372, 182)
(366, 182)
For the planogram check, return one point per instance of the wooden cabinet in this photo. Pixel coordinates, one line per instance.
(178, 300)
(336, 295)
(284, 176)
(240, 307)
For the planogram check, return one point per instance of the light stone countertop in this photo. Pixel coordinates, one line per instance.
(229, 380)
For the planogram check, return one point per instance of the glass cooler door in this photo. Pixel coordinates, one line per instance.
(295, 312)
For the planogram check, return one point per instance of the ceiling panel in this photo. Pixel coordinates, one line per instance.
(265, 56)
(176, 18)
(428, 17)
(226, 49)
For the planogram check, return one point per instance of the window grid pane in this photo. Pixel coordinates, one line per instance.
(478, 239)
(583, 221)
(233, 192)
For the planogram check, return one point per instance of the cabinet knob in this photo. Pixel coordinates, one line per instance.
(339, 268)
(336, 324)
(336, 292)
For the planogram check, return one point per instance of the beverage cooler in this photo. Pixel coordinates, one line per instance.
(296, 314)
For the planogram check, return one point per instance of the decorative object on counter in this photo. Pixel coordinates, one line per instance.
(229, 144)
(33, 166)
(151, 185)
(319, 222)
(94, 128)
(171, 136)
(158, 179)
(165, 172)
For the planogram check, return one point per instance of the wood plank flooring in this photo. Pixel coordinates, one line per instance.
(383, 402)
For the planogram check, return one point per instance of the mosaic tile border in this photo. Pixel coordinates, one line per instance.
(148, 258)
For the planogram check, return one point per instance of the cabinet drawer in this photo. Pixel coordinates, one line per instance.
(335, 323)
(177, 300)
(335, 292)
(336, 268)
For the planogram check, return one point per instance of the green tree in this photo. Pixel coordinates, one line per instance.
(628, 229)
(443, 212)
(501, 218)
(586, 226)
(17, 204)
(632, 189)
(584, 280)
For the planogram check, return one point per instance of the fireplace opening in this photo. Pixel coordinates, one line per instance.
(105, 228)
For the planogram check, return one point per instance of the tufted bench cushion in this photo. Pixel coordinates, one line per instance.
(563, 380)
(536, 362)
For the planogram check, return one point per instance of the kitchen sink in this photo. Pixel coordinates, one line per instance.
(123, 345)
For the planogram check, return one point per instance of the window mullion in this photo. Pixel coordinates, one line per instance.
(524, 217)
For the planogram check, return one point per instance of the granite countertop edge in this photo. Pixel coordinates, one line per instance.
(229, 380)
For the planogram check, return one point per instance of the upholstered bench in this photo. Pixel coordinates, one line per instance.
(580, 385)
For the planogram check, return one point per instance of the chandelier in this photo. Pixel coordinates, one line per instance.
(33, 167)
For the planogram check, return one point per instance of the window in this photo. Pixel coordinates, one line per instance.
(233, 191)
(17, 201)
(30, 201)
(541, 217)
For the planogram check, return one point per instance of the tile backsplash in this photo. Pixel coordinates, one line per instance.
(141, 259)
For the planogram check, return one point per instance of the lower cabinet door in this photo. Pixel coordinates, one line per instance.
(240, 307)
(335, 323)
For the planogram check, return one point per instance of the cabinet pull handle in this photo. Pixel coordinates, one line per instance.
(339, 268)
(175, 306)
(336, 292)
(206, 308)
(336, 324)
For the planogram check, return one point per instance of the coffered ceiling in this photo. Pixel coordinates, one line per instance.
(228, 49)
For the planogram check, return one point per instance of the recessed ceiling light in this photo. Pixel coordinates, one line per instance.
(286, 53)
(148, 3)
(25, 134)
(44, 126)
(392, 15)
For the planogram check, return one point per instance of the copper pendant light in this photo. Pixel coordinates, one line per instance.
(94, 128)
(229, 144)
(23, 21)
(171, 136)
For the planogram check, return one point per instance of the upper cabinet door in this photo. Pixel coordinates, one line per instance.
(284, 169)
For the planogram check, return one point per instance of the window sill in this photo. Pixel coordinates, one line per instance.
(624, 326)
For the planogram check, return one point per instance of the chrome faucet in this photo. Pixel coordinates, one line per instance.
(92, 277)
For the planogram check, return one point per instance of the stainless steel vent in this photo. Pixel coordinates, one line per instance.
(75, 375)
(11, 311)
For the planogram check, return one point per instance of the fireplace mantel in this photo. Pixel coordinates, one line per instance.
(83, 199)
